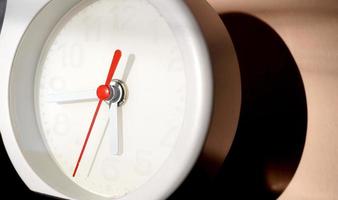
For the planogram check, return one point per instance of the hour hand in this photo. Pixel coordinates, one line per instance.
(113, 130)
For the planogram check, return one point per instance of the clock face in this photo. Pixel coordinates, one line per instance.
(131, 139)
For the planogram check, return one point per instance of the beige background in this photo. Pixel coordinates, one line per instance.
(310, 30)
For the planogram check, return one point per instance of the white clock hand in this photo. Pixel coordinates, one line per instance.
(113, 129)
(72, 97)
(87, 95)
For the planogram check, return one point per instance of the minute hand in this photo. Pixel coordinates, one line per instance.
(72, 97)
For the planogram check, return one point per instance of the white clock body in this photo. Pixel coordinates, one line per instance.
(57, 49)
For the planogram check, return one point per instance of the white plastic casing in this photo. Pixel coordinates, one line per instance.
(198, 40)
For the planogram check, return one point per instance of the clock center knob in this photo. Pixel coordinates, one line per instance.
(103, 92)
(118, 92)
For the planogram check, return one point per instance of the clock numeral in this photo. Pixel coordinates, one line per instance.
(61, 125)
(73, 56)
(126, 9)
(57, 83)
(169, 138)
(175, 64)
(143, 165)
(93, 29)
(109, 170)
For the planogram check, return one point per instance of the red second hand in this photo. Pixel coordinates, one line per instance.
(103, 93)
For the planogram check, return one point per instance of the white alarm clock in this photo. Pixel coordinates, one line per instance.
(115, 99)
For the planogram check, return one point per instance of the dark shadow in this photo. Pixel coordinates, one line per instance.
(13, 181)
(272, 129)
(2, 12)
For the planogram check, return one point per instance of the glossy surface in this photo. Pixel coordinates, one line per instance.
(19, 128)
(22, 138)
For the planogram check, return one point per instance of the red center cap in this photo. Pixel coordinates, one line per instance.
(103, 92)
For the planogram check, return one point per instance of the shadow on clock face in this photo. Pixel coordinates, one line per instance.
(2, 12)
(272, 129)
(273, 121)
